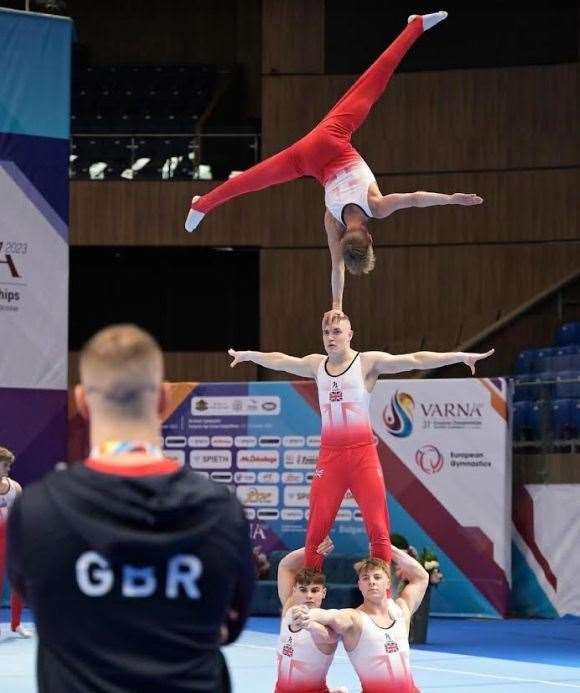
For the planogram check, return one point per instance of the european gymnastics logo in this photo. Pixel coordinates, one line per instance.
(398, 415)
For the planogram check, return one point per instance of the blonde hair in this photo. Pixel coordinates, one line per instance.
(369, 564)
(122, 363)
(358, 253)
(6, 455)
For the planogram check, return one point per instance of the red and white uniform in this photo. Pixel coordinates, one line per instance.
(347, 460)
(381, 657)
(344, 406)
(6, 501)
(326, 152)
(302, 667)
(349, 186)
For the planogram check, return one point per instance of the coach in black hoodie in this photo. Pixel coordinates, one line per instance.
(135, 569)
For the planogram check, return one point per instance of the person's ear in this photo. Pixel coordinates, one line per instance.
(164, 401)
(81, 402)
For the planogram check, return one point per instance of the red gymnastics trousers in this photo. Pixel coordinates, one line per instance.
(325, 150)
(356, 468)
(15, 599)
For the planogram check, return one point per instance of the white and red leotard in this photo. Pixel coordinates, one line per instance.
(302, 667)
(326, 152)
(381, 656)
(347, 459)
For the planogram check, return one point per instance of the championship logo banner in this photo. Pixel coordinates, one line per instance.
(443, 446)
(34, 152)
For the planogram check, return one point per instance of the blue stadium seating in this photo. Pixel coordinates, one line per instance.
(568, 333)
(562, 418)
(567, 385)
(521, 425)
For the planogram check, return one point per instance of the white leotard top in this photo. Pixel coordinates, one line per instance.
(381, 657)
(344, 406)
(350, 186)
(7, 499)
(302, 667)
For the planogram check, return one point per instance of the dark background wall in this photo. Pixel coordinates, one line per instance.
(487, 102)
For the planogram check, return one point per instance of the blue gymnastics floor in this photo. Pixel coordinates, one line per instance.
(467, 656)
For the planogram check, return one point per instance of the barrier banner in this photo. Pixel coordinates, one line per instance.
(546, 536)
(34, 152)
(443, 445)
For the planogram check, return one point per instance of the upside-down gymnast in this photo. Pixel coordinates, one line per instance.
(352, 196)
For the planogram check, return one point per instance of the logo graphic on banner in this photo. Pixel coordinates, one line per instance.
(430, 459)
(432, 437)
(398, 416)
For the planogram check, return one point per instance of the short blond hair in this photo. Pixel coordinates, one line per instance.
(358, 253)
(122, 363)
(369, 564)
(6, 455)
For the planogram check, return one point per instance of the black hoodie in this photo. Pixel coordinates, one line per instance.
(130, 578)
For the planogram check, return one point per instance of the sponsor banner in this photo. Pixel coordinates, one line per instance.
(245, 441)
(177, 455)
(175, 441)
(296, 496)
(344, 515)
(235, 406)
(198, 441)
(268, 477)
(292, 514)
(268, 514)
(258, 459)
(245, 477)
(222, 441)
(300, 459)
(444, 452)
(210, 459)
(269, 441)
(292, 477)
(222, 477)
(254, 496)
(293, 441)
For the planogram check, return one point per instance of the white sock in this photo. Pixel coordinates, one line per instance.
(22, 632)
(193, 220)
(429, 20)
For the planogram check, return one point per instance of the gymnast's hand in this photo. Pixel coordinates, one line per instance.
(238, 356)
(471, 359)
(466, 199)
(332, 316)
(325, 547)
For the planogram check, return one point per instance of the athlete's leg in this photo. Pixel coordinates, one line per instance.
(279, 168)
(327, 490)
(16, 606)
(352, 109)
(368, 488)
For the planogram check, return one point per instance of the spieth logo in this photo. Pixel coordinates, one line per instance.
(335, 392)
(287, 649)
(391, 646)
(398, 415)
(429, 459)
